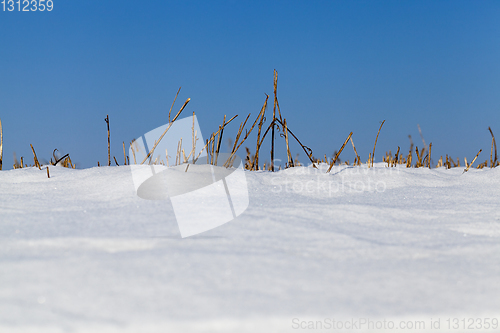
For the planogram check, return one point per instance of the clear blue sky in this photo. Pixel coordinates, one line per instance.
(343, 66)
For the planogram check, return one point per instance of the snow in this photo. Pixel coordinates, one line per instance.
(81, 252)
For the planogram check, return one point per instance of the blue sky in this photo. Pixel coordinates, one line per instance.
(343, 66)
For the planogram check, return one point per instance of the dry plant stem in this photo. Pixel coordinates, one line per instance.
(133, 151)
(257, 148)
(48, 175)
(60, 159)
(429, 159)
(274, 117)
(219, 140)
(165, 132)
(109, 146)
(355, 152)
(221, 132)
(240, 130)
(248, 132)
(373, 154)
(1, 144)
(207, 147)
(178, 155)
(468, 166)
(494, 143)
(116, 162)
(290, 159)
(170, 111)
(36, 159)
(194, 139)
(409, 158)
(305, 148)
(338, 153)
(124, 154)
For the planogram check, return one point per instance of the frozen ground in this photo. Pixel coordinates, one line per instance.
(80, 252)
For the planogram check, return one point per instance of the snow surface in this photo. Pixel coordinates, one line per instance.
(81, 252)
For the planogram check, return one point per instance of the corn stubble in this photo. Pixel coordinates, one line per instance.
(252, 160)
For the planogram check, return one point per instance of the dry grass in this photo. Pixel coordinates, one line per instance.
(372, 157)
(338, 153)
(252, 161)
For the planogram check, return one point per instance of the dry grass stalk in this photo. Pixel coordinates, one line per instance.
(240, 130)
(469, 165)
(396, 158)
(193, 149)
(373, 154)
(48, 175)
(494, 162)
(409, 158)
(133, 146)
(274, 117)
(482, 165)
(235, 148)
(35, 158)
(165, 132)
(419, 157)
(250, 161)
(220, 139)
(116, 162)
(22, 163)
(306, 149)
(296, 162)
(109, 146)
(290, 159)
(65, 160)
(429, 159)
(1, 144)
(338, 153)
(178, 154)
(259, 142)
(355, 152)
(387, 158)
(124, 154)
(440, 162)
(212, 151)
(183, 155)
(170, 111)
(207, 147)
